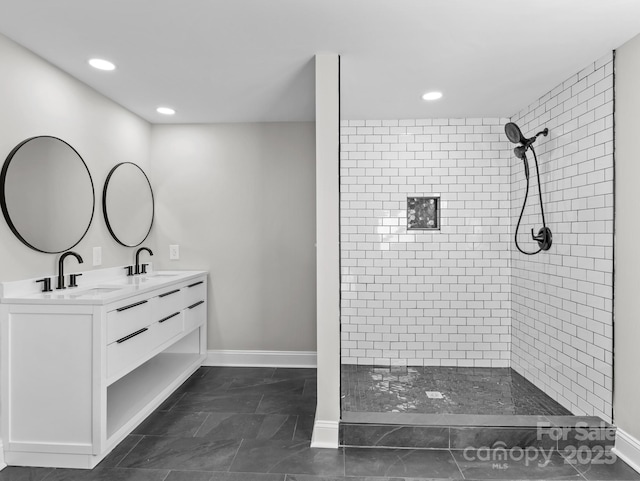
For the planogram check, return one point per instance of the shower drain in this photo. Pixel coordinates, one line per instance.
(434, 395)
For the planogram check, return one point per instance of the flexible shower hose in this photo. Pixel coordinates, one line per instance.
(524, 204)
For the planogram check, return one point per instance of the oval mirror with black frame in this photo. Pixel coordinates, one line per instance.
(46, 194)
(127, 203)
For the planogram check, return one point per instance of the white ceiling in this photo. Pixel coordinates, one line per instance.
(252, 60)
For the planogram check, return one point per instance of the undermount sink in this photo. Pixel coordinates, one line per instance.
(161, 274)
(96, 291)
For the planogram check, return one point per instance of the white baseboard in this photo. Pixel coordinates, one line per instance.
(628, 449)
(325, 434)
(2, 463)
(220, 357)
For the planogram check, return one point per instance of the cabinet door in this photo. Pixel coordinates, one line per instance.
(48, 370)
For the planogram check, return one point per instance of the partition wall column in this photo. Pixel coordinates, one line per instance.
(325, 428)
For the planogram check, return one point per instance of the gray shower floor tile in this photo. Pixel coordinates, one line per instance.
(464, 390)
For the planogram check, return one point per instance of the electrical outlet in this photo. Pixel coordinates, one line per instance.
(97, 256)
(174, 252)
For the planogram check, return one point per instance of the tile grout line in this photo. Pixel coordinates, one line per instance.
(582, 476)
(457, 465)
(202, 424)
(129, 451)
(235, 456)
(344, 461)
(295, 428)
(258, 405)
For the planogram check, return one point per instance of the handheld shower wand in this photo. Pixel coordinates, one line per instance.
(544, 237)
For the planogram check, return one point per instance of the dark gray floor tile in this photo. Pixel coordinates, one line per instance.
(602, 467)
(295, 373)
(171, 423)
(108, 474)
(171, 401)
(240, 373)
(120, 451)
(524, 464)
(221, 476)
(492, 437)
(223, 402)
(248, 426)
(247, 477)
(189, 476)
(204, 384)
(582, 437)
(278, 426)
(571, 421)
(284, 403)
(401, 463)
(372, 435)
(304, 427)
(17, 473)
(266, 386)
(160, 452)
(256, 456)
(310, 388)
(306, 477)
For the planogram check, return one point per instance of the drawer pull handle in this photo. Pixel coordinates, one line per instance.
(125, 338)
(196, 284)
(168, 317)
(120, 309)
(169, 293)
(195, 305)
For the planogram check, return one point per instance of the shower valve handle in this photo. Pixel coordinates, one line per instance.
(544, 238)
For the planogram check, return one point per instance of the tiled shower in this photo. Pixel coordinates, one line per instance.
(462, 297)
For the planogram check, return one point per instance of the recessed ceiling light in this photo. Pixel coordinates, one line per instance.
(432, 96)
(165, 111)
(101, 64)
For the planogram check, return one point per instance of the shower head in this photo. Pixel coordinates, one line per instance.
(520, 152)
(514, 133)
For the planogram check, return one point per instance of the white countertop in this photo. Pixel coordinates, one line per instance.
(101, 286)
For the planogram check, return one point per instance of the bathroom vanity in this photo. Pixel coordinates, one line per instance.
(82, 367)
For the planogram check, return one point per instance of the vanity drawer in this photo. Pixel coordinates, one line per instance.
(168, 327)
(125, 351)
(194, 291)
(195, 315)
(167, 303)
(127, 319)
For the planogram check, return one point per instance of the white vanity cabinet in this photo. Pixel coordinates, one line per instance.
(80, 372)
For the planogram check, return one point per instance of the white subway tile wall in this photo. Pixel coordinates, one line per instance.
(425, 297)
(561, 300)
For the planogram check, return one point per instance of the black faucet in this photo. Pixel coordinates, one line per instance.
(61, 267)
(142, 270)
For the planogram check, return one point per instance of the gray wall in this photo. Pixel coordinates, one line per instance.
(239, 199)
(627, 255)
(39, 99)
